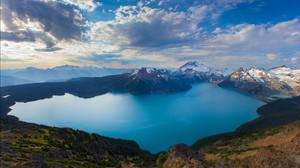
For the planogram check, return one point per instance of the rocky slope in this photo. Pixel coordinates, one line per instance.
(275, 147)
(262, 83)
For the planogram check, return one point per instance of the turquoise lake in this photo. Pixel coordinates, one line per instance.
(155, 122)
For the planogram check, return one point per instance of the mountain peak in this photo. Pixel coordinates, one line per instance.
(280, 67)
(195, 65)
(147, 70)
(31, 68)
(66, 67)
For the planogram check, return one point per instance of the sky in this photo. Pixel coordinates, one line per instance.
(157, 33)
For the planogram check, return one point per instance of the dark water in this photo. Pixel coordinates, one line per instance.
(154, 121)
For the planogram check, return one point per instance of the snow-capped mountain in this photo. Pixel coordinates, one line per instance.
(280, 80)
(195, 66)
(194, 71)
(287, 75)
(258, 82)
(201, 67)
(151, 80)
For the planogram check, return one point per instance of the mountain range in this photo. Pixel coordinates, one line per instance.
(263, 84)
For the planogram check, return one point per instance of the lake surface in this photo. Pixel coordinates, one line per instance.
(155, 122)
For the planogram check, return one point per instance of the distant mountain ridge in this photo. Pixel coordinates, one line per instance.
(60, 73)
(8, 80)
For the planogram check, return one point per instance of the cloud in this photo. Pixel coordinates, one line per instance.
(106, 58)
(88, 5)
(18, 36)
(251, 38)
(142, 34)
(244, 45)
(52, 49)
(49, 22)
(271, 56)
(147, 27)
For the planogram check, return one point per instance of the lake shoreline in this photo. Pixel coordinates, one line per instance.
(186, 105)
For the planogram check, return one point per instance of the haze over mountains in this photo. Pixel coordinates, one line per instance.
(59, 73)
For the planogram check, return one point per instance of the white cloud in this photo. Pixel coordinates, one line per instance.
(148, 27)
(271, 56)
(88, 5)
(256, 38)
(161, 37)
(160, 2)
(198, 12)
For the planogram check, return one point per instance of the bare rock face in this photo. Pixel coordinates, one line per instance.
(182, 156)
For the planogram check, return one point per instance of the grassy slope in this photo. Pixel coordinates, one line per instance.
(279, 143)
(31, 145)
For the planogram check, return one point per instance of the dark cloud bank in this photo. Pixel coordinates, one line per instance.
(58, 21)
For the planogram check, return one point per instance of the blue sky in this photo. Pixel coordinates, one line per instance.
(159, 33)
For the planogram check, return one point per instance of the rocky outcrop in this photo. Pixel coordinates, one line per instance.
(182, 156)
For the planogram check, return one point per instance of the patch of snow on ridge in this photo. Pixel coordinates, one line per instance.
(149, 70)
(6, 96)
(201, 67)
(196, 66)
(287, 75)
(135, 71)
(257, 75)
